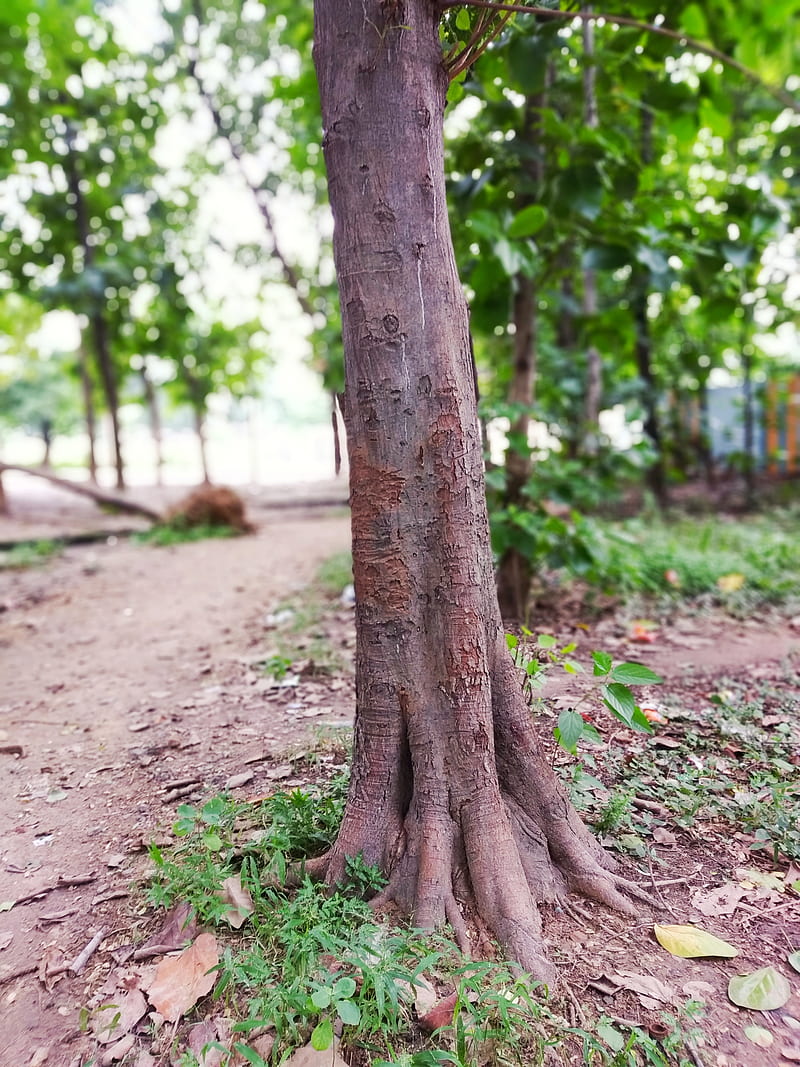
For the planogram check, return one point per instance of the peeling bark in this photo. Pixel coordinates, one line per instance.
(450, 793)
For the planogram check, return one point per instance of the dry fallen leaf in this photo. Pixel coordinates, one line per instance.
(646, 985)
(240, 903)
(180, 981)
(730, 583)
(723, 900)
(113, 1020)
(308, 1056)
(177, 931)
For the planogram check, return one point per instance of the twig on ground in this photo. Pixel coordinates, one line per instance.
(62, 883)
(83, 957)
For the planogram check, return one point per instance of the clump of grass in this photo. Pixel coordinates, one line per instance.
(311, 962)
(690, 559)
(29, 554)
(178, 533)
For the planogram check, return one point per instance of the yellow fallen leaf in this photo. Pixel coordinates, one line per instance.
(689, 941)
(180, 981)
(730, 583)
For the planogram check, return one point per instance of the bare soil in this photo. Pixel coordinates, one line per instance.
(130, 681)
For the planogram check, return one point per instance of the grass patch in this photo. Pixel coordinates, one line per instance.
(302, 625)
(178, 533)
(741, 564)
(726, 771)
(29, 554)
(309, 962)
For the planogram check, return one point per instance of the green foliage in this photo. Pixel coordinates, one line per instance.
(689, 558)
(615, 694)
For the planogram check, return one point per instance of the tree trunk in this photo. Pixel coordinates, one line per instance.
(515, 569)
(594, 361)
(450, 793)
(151, 397)
(88, 408)
(4, 509)
(97, 322)
(643, 348)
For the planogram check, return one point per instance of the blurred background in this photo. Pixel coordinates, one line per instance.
(624, 210)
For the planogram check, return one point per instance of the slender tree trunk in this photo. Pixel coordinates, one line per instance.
(594, 361)
(450, 792)
(748, 416)
(4, 509)
(515, 569)
(47, 440)
(643, 349)
(151, 397)
(202, 444)
(87, 388)
(97, 322)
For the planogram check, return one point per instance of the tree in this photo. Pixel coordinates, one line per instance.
(450, 792)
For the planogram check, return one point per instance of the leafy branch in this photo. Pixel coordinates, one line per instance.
(455, 64)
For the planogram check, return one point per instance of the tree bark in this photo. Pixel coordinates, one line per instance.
(643, 348)
(450, 793)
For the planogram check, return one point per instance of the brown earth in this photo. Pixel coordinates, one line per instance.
(130, 681)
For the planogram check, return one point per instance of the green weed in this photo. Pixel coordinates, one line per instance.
(29, 554)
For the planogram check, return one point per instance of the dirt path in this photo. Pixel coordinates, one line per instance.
(126, 669)
(127, 681)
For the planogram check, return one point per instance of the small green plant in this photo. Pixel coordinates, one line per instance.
(276, 667)
(29, 554)
(614, 693)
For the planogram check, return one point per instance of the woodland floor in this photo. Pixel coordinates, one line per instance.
(130, 683)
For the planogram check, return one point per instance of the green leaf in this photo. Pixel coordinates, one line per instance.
(602, 663)
(528, 221)
(690, 941)
(511, 642)
(763, 990)
(635, 674)
(250, 1055)
(794, 960)
(619, 701)
(349, 1012)
(345, 987)
(569, 730)
(759, 1035)
(462, 19)
(321, 998)
(213, 842)
(546, 641)
(322, 1035)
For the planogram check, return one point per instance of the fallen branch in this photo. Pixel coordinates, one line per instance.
(99, 496)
